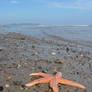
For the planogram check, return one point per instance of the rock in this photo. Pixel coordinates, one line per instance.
(44, 71)
(35, 54)
(23, 86)
(1, 88)
(33, 46)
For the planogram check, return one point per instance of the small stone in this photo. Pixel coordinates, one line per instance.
(77, 73)
(1, 88)
(33, 46)
(36, 53)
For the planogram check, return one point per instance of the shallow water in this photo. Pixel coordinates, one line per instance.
(77, 33)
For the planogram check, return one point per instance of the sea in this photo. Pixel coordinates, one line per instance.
(79, 33)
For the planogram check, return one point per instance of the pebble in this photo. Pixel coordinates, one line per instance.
(36, 53)
(43, 71)
(23, 86)
(33, 46)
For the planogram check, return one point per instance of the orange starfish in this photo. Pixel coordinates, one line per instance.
(53, 80)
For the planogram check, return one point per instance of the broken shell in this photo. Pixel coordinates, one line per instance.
(9, 78)
(53, 53)
(7, 85)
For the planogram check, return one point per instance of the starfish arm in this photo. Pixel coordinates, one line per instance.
(71, 83)
(53, 85)
(38, 81)
(39, 74)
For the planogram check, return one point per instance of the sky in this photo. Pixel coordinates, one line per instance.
(53, 12)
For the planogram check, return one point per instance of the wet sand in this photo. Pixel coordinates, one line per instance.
(21, 55)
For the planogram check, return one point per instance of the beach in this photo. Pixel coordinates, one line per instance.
(21, 55)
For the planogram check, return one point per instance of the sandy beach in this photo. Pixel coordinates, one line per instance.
(21, 55)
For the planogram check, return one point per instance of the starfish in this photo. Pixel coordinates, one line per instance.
(53, 80)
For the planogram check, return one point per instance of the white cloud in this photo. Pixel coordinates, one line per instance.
(72, 4)
(14, 1)
(75, 4)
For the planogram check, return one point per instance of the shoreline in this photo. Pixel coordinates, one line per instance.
(21, 55)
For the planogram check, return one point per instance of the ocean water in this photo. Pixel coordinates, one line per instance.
(82, 33)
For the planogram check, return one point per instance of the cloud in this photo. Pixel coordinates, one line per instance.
(70, 4)
(67, 4)
(75, 4)
(14, 1)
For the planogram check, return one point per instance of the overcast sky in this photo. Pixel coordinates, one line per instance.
(58, 12)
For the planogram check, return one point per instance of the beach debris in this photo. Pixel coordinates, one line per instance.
(1, 88)
(53, 79)
(7, 85)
